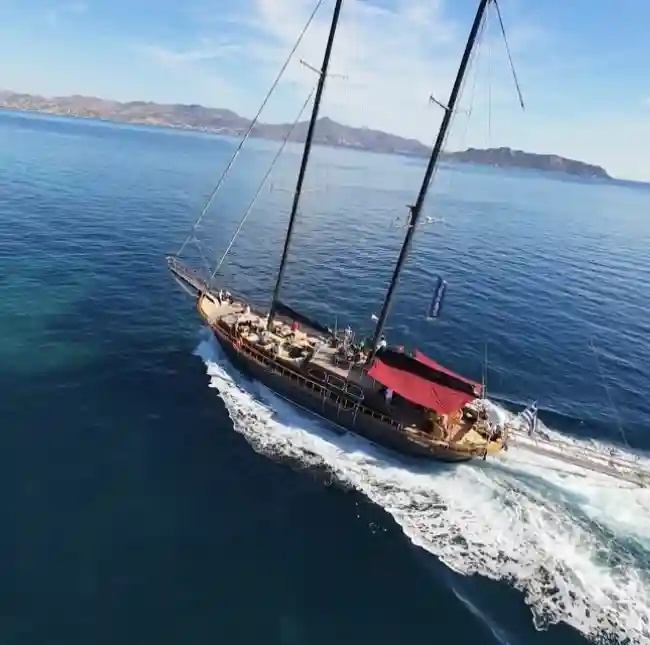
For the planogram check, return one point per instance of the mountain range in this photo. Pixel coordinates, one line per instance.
(328, 132)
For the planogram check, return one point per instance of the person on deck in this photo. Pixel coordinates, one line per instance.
(347, 340)
(381, 345)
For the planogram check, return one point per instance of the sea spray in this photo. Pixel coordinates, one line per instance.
(576, 547)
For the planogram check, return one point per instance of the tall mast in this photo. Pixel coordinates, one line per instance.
(416, 209)
(305, 155)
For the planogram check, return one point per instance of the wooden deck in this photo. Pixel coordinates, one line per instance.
(460, 433)
(293, 347)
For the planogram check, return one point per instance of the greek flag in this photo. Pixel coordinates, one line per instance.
(528, 419)
(436, 302)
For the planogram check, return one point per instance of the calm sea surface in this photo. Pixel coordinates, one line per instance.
(151, 494)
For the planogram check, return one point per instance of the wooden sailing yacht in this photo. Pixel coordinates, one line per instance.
(406, 402)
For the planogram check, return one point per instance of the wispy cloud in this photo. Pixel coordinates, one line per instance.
(55, 14)
(201, 66)
(204, 51)
(393, 55)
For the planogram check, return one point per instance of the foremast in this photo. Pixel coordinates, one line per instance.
(416, 209)
(305, 155)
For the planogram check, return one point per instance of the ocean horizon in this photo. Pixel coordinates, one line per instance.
(298, 146)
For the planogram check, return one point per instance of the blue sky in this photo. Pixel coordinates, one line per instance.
(582, 65)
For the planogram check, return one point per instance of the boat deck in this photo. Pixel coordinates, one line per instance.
(294, 348)
(256, 333)
(325, 358)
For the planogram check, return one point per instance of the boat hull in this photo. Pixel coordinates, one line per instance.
(344, 420)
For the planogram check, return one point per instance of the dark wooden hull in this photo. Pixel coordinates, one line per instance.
(345, 419)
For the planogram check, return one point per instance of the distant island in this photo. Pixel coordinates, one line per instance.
(328, 132)
(508, 158)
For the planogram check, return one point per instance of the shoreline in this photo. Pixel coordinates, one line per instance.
(491, 157)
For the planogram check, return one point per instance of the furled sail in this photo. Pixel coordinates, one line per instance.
(288, 312)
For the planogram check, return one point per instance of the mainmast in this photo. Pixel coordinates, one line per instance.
(416, 209)
(305, 155)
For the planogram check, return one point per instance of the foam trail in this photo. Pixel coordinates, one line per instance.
(577, 549)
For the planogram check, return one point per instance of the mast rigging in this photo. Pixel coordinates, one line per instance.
(247, 134)
(305, 155)
(416, 209)
(253, 201)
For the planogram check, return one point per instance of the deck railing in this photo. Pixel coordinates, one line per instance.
(342, 400)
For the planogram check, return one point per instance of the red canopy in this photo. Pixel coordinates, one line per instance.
(416, 387)
(423, 358)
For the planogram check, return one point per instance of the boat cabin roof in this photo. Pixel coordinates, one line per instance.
(423, 381)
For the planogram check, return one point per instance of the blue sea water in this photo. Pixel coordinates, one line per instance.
(142, 505)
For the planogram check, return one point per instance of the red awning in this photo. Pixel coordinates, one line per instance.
(419, 390)
(445, 370)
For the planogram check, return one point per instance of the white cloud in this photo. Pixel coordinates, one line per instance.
(394, 57)
(75, 7)
(204, 51)
(196, 68)
(69, 8)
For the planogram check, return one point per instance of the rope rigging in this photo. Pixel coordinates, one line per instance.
(610, 400)
(512, 65)
(473, 64)
(261, 186)
(253, 123)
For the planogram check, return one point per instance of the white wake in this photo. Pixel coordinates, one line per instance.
(576, 543)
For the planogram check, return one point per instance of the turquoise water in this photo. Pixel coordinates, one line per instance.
(137, 511)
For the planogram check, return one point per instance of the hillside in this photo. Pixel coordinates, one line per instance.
(218, 120)
(328, 132)
(508, 158)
